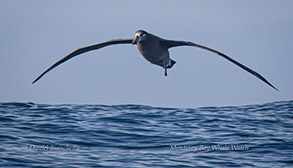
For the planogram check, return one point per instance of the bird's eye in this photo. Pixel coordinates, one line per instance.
(143, 35)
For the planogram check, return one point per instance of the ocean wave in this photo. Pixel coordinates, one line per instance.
(42, 135)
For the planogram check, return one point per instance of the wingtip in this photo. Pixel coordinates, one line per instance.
(273, 86)
(35, 80)
(276, 89)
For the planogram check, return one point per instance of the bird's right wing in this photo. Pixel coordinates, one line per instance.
(171, 43)
(83, 50)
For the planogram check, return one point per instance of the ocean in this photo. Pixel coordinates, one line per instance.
(78, 136)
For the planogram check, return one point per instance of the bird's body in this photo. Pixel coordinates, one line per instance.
(153, 52)
(154, 49)
(151, 49)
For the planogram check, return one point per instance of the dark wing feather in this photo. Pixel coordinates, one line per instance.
(83, 50)
(170, 43)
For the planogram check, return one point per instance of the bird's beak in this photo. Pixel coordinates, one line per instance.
(134, 41)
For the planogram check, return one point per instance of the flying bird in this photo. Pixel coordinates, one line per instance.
(154, 49)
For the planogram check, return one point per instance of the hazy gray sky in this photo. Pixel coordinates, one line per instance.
(35, 34)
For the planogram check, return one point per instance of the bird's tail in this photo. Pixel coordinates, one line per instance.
(172, 62)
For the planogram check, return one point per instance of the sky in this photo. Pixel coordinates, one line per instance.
(36, 34)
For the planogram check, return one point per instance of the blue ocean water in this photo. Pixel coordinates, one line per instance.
(77, 136)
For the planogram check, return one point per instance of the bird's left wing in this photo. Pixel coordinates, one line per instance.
(83, 50)
(171, 43)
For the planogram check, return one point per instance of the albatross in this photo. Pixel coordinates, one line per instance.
(155, 50)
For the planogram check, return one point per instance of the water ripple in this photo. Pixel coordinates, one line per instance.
(41, 135)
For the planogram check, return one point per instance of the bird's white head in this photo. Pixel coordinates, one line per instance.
(140, 36)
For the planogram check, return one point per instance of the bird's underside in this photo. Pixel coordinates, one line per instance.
(150, 47)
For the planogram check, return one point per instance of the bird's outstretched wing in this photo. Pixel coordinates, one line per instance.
(83, 50)
(170, 43)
